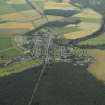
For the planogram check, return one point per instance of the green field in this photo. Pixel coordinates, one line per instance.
(5, 42)
(8, 48)
(91, 20)
(99, 40)
(18, 67)
(3, 1)
(11, 53)
(5, 9)
(21, 7)
(64, 30)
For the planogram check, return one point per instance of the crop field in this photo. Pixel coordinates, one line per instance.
(65, 30)
(23, 16)
(20, 7)
(11, 52)
(91, 20)
(5, 42)
(7, 49)
(99, 40)
(50, 5)
(89, 13)
(89, 24)
(15, 15)
(60, 12)
(4, 9)
(53, 18)
(12, 8)
(15, 25)
(18, 67)
(2, 2)
(97, 68)
(16, 2)
(85, 31)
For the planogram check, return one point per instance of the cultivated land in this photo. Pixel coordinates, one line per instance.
(97, 68)
(16, 18)
(99, 40)
(7, 48)
(91, 21)
(19, 67)
(18, 15)
(62, 83)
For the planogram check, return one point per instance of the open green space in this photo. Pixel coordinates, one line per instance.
(8, 47)
(3, 2)
(12, 52)
(99, 40)
(20, 7)
(18, 67)
(90, 20)
(5, 42)
(5, 9)
(64, 30)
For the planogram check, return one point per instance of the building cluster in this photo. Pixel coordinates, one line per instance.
(45, 46)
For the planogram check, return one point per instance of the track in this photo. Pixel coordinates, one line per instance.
(46, 61)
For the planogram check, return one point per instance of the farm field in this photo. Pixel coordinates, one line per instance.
(54, 70)
(7, 49)
(53, 18)
(89, 13)
(90, 23)
(86, 30)
(15, 25)
(99, 40)
(54, 5)
(97, 68)
(21, 17)
(10, 53)
(5, 42)
(18, 67)
(16, 2)
(64, 30)
(17, 14)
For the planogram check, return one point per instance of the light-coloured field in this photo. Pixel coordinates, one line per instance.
(99, 40)
(86, 29)
(54, 18)
(89, 13)
(17, 15)
(18, 67)
(88, 26)
(97, 68)
(15, 25)
(54, 5)
(8, 47)
(23, 16)
(16, 1)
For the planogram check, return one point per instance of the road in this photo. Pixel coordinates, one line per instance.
(46, 61)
